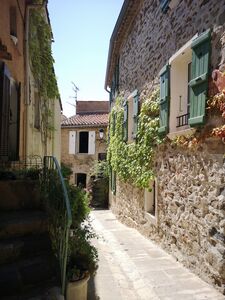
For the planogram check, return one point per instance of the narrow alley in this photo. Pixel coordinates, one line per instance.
(132, 267)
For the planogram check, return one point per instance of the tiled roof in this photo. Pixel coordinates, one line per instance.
(87, 120)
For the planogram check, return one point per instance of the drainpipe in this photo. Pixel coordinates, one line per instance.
(27, 85)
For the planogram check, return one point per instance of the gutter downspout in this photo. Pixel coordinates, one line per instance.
(27, 85)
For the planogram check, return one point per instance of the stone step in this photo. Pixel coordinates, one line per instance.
(21, 223)
(19, 194)
(27, 274)
(13, 249)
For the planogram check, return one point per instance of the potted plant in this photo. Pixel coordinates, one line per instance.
(82, 255)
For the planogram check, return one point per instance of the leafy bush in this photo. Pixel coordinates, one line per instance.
(66, 170)
(82, 255)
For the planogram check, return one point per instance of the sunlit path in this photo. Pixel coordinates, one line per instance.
(132, 267)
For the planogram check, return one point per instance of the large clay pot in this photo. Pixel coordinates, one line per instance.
(77, 290)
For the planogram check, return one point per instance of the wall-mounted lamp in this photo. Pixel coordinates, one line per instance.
(101, 133)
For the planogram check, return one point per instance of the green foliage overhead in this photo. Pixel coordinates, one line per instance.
(41, 59)
(134, 162)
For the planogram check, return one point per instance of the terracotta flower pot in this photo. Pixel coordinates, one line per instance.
(77, 290)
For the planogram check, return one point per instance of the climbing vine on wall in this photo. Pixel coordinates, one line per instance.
(134, 162)
(218, 102)
(215, 104)
(41, 62)
(41, 55)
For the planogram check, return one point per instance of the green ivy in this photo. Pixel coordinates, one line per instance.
(40, 37)
(134, 162)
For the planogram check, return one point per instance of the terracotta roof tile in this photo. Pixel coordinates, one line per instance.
(86, 120)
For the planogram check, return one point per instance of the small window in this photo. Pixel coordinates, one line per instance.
(13, 21)
(36, 111)
(102, 156)
(83, 142)
(80, 179)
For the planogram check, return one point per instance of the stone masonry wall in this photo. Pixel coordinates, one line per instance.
(191, 184)
(155, 37)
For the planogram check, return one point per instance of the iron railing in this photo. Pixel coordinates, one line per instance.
(24, 163)
(58, 205)
(182, 120)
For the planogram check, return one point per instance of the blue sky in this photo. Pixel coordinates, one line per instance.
(82, 30)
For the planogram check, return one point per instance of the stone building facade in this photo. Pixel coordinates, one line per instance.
(84, 139)
(187, 213)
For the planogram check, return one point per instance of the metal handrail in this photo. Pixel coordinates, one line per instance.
(51, 171)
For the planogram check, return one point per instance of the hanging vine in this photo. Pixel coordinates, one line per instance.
(41, 62)
(41, 58)
(134, 162)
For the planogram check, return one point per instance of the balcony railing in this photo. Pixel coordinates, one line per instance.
(182, 120)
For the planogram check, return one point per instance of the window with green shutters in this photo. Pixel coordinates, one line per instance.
(125, 121)
(201, 47)
(164, 100)
(135, 113)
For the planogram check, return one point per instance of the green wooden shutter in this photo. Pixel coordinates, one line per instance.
(199, 78)
(164, 100)
(135, 113)
(125, 121)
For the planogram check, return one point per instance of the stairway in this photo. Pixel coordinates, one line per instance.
(27, 264)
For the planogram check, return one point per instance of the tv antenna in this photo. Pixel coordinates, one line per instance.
(75, 89)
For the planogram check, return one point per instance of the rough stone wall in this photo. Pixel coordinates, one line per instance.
(191, 185)
(80, 163)
(191, 203)
(155, 37)
(190, 208)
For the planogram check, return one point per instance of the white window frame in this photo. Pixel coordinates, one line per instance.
(91, 142)
(179, 99)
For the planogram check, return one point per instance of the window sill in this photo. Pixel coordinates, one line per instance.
(152, 219)
(82, 154)
(185, 132)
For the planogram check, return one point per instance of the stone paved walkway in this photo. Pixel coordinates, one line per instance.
(132, 267)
